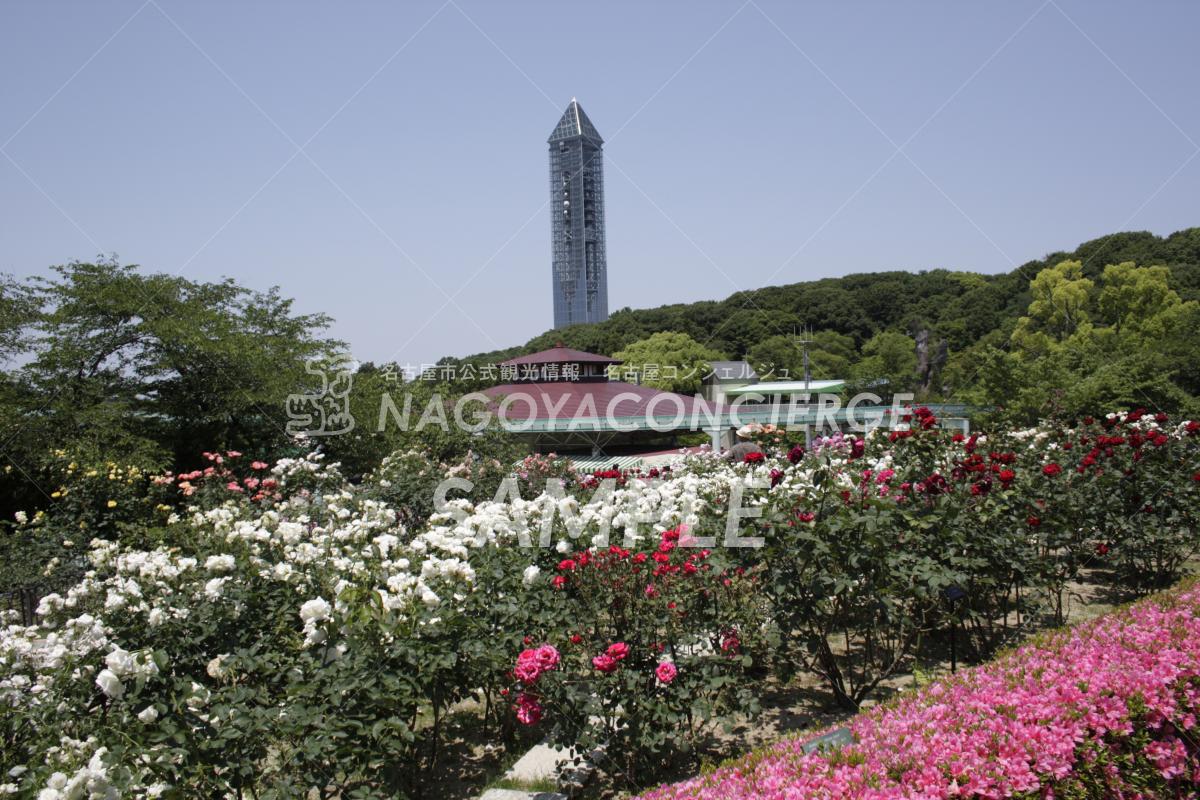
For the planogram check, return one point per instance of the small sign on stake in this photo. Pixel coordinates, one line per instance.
(833, 740)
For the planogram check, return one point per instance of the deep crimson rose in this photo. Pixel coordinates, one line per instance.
(1102, 549)
(1007, 476)
(857, 448)
(795, 454)
(1192, 427)
(1050, 470)
(776, 477)
(576, 638)
(1033, 521)
(1161, 417)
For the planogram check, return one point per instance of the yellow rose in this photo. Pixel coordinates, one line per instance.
(112, 503)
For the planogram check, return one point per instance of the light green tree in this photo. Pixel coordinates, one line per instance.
(1061, 303)
(668, 360)
(1133, 295)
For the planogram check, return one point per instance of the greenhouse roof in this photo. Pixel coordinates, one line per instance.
(788, 387)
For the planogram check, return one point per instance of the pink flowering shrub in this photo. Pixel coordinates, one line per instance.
(1106, 709)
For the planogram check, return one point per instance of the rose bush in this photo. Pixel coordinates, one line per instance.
(270, 630)
(657, 644)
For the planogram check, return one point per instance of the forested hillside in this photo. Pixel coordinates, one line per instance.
(963, 321)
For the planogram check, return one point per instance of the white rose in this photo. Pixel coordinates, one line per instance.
(221, 563)
(110, 684)
(530, 574)
(214, 668)
(148, 714)
(314, 611)
(121, 662)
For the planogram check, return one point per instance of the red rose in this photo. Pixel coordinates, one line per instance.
(795, 454)
(1033, 521)
(559, 581)
(1102, 549)
(752, 458)
(1007, 476)
(1050, 470)
(808, 516)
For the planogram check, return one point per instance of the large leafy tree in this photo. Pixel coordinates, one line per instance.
(668, 360)
(123, 362)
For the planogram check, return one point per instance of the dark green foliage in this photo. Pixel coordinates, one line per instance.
(967, 317)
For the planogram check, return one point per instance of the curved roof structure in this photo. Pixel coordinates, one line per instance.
(560, 355)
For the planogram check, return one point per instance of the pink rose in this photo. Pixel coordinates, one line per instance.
(617, 651)
(665, 672)
(547, 657)
(604, 663)
(529, 710)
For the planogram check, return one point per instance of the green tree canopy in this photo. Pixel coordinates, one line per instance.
(124, 361)
(1135, 295)
(668, 349)
(889, 357)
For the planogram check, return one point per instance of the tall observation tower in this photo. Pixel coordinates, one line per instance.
(580, 272)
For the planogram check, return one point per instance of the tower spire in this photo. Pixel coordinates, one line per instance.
(579, 268)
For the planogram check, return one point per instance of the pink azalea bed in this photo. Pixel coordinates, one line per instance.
(1105, 709)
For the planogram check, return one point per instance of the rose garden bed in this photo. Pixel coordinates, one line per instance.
(270, 630)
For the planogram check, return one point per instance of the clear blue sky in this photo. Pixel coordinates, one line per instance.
(748, 144)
